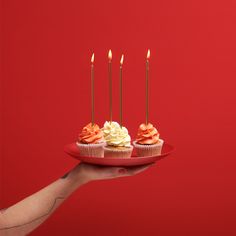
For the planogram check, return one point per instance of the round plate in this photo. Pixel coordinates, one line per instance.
(73, 151)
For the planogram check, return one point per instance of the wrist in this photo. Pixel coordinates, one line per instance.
(79, 175)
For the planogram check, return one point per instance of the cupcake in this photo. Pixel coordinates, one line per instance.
(117, 140)
(91, 141)
(148, 142)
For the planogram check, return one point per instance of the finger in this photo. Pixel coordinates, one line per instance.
(138, 169)
(116, 171)
(122, 171)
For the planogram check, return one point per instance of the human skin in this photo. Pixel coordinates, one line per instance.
(26, 215)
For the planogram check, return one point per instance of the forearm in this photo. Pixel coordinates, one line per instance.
(25, 216)
(28, 214)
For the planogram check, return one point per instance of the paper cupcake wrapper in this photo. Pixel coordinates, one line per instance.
(148, 150)
(116, 152)
(91, 150)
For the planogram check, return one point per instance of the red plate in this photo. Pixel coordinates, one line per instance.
(73, 151)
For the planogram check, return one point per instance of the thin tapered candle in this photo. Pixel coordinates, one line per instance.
(121, 90)
(92, 87)
(147, 86)
(110, 83)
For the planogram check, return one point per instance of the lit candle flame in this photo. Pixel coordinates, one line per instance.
(148, 54)
(92, 58)
(110, 55)
(122, 60)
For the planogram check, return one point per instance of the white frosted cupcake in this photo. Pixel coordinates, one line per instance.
(91, 141)
(117, 139)
(148, 142)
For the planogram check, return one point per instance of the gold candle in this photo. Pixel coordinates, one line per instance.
(110, 83)
(147, 85)
(92, 87)
(121, 90)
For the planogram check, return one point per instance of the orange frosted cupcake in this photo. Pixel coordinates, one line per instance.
(91, 141)
(148, 142)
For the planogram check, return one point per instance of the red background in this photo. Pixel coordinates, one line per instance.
(46, 50)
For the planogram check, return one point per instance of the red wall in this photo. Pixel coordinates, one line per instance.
(47, 47)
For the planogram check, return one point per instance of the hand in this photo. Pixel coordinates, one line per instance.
(94, 172)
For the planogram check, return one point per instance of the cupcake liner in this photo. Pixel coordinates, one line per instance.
(124, 152)
(91, 150)
(148, 150)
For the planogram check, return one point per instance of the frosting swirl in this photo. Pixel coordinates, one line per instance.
(147, 134)
(116, 135)
(91, 134)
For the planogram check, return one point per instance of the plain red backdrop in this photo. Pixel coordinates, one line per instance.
(45, 62)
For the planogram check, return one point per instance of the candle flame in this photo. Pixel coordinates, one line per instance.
(110, 55)
(92, 58)
(122, 59)
(148, 54)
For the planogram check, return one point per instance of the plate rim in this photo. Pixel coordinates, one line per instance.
(76, 156)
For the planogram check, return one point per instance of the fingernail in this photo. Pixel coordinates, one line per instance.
(122, 171)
